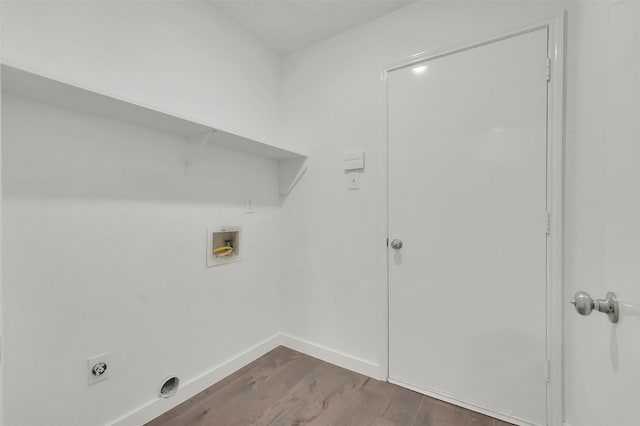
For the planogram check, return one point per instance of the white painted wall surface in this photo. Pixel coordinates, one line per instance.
(332, 104)
(128, 228)
(177, 56)
(1, 297)
(104, 248)
(203, 66)
(1, 277)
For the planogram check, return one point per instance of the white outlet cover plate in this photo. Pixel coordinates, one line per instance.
(93, 379)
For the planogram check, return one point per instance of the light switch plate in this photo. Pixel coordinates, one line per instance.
(353, 180)
(248, 204)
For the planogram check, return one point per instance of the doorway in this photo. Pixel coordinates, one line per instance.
(472, 165)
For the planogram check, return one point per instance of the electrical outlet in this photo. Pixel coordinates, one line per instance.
(99, 368)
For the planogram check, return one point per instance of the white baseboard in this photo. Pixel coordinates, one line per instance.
(464, 404)
(155, 408)
(332, 356)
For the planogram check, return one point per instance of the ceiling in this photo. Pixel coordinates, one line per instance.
(286, 26)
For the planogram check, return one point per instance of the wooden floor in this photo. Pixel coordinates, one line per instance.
(285, 387)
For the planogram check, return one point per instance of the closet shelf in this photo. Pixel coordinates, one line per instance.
(292, 165)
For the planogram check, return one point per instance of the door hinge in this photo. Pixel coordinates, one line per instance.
(387, 242)
(547, 223)
(547, 370)
(548, 69)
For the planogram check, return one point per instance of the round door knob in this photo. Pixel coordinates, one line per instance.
(583, 303)
(396, 244)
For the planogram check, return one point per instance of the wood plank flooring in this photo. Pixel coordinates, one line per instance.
(287, 388)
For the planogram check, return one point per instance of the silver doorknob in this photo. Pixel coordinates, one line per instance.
(396, 244)
(585, 304)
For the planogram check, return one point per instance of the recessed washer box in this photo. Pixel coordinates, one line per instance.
(223, 245)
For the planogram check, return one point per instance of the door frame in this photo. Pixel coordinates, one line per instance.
(555, 25)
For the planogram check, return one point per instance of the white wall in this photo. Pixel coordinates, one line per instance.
(1, 297)
(177, 56)
(104, 248)
(106, 236)
(332, 102)
(202, 65)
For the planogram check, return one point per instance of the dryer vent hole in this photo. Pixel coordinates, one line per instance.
(169, 387)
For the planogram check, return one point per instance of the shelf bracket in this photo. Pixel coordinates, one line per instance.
(290, 172)
(193, 146)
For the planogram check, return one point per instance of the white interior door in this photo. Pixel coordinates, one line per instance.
(467, 197)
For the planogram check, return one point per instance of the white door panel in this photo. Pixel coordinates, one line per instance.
(467, 195)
